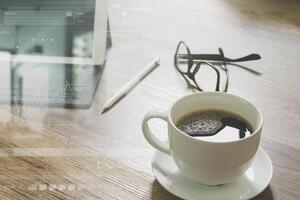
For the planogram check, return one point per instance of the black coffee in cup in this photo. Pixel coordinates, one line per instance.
(215, 125)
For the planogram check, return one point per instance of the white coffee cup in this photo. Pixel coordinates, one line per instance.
(208, 162)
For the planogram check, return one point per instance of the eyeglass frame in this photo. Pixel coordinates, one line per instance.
(203, 58)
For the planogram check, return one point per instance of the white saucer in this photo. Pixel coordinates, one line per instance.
(255, 180)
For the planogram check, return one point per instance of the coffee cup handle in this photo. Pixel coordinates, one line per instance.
(153, 140)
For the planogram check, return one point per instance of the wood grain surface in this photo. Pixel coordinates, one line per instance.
(53, 153)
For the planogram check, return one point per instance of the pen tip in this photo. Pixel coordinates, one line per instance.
(103, 111)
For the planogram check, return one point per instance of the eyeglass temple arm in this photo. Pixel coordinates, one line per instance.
(217, 57)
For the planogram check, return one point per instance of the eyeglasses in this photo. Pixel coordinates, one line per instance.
(197, 69)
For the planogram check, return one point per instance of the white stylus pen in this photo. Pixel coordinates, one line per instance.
(130, 85)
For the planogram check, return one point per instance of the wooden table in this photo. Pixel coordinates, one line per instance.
(79, 154)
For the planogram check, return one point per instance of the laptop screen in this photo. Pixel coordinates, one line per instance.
(52, 52)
